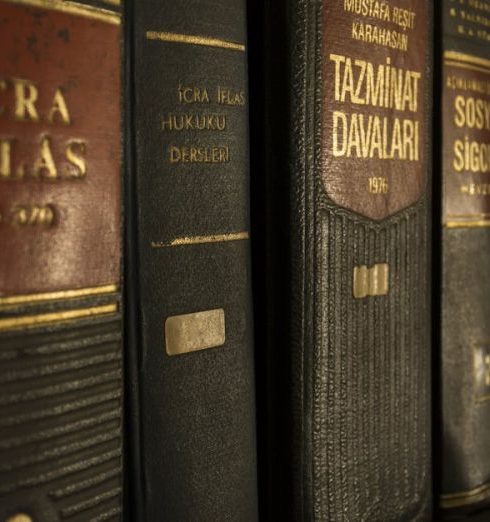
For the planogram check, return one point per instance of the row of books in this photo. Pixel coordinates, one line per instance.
(242, 260)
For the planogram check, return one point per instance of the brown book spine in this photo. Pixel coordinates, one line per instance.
(60, 328)
(465, 249)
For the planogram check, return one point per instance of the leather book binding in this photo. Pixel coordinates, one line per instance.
(60, 277)
(345, 329)
(190, 346)
(464, 87)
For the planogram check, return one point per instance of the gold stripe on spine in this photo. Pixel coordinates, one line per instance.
(32, 321)
(73, 8)
(465, 498)
(194, 40)
(483, 223)
(194, 332)
(199, 240)
(467, 66)
(62, 294)
(466, 58)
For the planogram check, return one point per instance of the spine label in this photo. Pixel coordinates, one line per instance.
(374, 69)
(59, 147)
(466, 141)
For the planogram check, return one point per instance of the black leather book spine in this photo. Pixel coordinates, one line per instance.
(61, 382)
(464, 88)
(347, 237)
(189, 307)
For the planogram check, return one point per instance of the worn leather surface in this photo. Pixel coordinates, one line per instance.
(346, 427)
(61, 417)
(192, 415)
(55, 51)
(61, 384)
(358, 109)
(465, 301)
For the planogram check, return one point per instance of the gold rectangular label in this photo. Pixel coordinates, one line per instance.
(481, 371)
(194, 332)
(370, 281)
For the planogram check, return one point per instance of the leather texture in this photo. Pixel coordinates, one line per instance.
(193, 447)
(465, 298)
(61, 417)
(61, 367)
(74, 108)
(345, 430)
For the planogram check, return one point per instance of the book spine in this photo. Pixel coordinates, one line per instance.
(348, 165)
(192, 363)
(60, 285)
(465, 245)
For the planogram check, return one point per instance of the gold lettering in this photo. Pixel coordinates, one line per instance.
(378, 185)
(337, 59)
(193, 95)
(74, 154)
(337, 150)
(367, 136)
(5, 159)
(23, 215)
(45, 163)
(360, 83)
(473, 113)
(230, 97)
(26, 95)
(179, 122)
(196, 154)
(471, 156)
(59, 107)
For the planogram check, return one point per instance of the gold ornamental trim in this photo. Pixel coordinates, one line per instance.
(194, 40)
(467, 66)
(199, 240)
(467, 58)
(62, 294)
(465, 498)
(73, 8)
(32, 321)
(482, 223)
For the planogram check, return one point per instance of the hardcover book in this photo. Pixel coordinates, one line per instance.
(60, 277)
(192, 404)
(465, 244)
(345, 329)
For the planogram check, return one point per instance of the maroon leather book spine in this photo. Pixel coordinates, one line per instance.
(60, 327)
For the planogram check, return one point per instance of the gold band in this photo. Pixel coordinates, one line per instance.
(468, 224)
(467, 58)
(31, 321)
(72, 8)
(467, 66)
(199, 240)
(465, 498)
(62, 294)
(194, 40)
